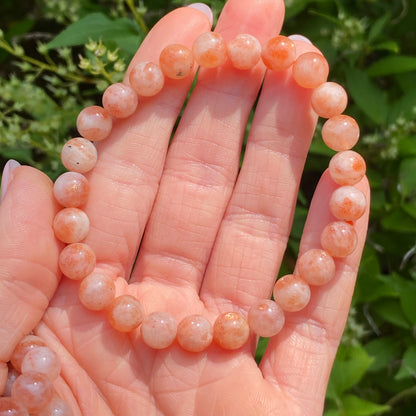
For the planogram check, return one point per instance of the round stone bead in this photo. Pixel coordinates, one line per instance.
(347, 203)
(316, 267)
(71, 189)
(120, 100)
(329, 100)
(97, 292)
(244, 51)
(340, 132)
(176, 61)
(42, 360)
(339, 239)
(310, 70)
(158, 330)
(231, 330)
(194, 333)
(147, 79)
(125, 313)
(94, 123)
(12, 375)
(209, 50)
(79, 155)
(291, 293)
(33, 390)
(266, 318)
(77, 261)
(56, 407)
(278, 53)
(347, 167)
(71, 225)
(10, 407)
(23, 347)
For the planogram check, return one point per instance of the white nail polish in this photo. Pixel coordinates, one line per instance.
(301, 38)
(7, 175)
(204, 9)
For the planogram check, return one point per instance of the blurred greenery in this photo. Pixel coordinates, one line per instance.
(57, 56)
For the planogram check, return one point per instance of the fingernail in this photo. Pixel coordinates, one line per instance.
(204, 9)
(301, 38)
(7, 176)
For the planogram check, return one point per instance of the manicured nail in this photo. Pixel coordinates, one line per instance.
(7, 176)
(301, 38)
(204, 9)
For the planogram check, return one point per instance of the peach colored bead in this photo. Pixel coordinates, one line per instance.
(10, 407)
(347, 167)
(94, 123)
(347, 203)
(278, 53)
(158, 330)
(42, 360)
(125, 313)
(147, 79)
(33, 391)
(339, 239)
(97, 292)
(291, 293)
(329, 100)
(266, 318)
(77, 261)
(231, 330)
(23, 347)
(71, 225)
(194, 333)
(210, 50)
(176, 61)
(340, 132)
(244, 51)
(120, 100)
(12, 375)
(310, 70)
(79, 155)
(57, 407)
(316, 267)
(71, 189)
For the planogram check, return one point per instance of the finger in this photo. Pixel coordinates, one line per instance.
(28, 255)
(125, 180)
(204, 157)
(300, 357)
(256, 226)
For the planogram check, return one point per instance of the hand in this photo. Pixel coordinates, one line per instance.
(183, 230)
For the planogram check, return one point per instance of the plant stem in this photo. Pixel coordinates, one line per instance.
(138, 16)
(411, 391)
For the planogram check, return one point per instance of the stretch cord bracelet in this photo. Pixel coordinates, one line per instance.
(292, 292)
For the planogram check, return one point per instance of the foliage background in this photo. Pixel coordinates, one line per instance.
(45, 80)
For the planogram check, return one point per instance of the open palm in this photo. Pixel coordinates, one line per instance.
(185, 231)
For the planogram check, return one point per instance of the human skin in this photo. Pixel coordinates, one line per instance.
(211, 240)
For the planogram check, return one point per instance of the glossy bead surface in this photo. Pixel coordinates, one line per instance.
(291, 293)
(125, 313)
(329, 100)
(244, 51)
(209, 50)
(79, 155)
(176, 61)
(278, 53)
(42, 360)
(94, 123)
(97, 292)
(10, 407)
(310, 70)
(71, 189)
(316, 267)
(23, 347)
(147, 79)
(231, 330)
(340, 132)
(12, 374)
(339, 239)
(194, 333)
(120, 100)
(57, 407)
(158, 330)
(77, 261)
(347, 203)
(347, 167)
(71, 225)
(266, 318)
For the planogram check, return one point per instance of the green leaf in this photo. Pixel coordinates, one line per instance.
(390, 311)
(393, 64)
(377, 28)
(371, 100)
(408, 367)
(389, 45)
(407, 177)
(404, 107)
(383, 350)
(399, 221)
(356, 406)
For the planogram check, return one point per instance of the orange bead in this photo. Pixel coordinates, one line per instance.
(94, 123)
(23, 347)
(310, 70)
(71, 189)
(77, 261)
(278, 53)
(316, 267)
(244, 51)
(339, 239)
(194, 333)
(231, 331)
(97, 291)
(347, 167)
(291, 293)
(329, 99)
(71, 225)
(158, 330)
(210, 50)
(176, 61)
(340, 132)
(125, 313)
